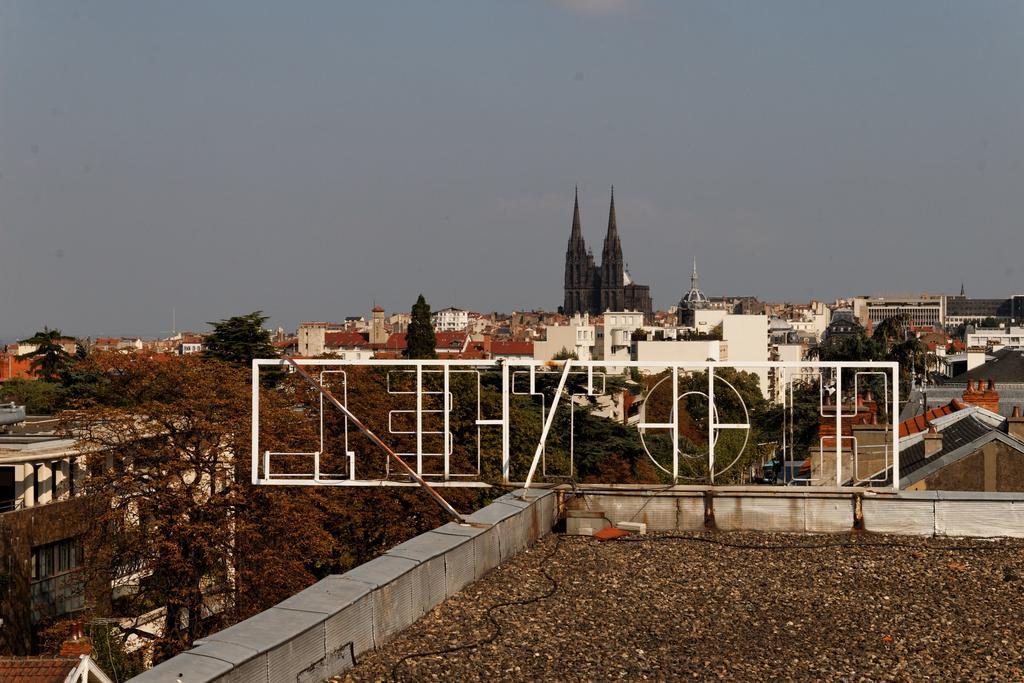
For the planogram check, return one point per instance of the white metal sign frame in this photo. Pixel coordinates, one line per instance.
(263, 475)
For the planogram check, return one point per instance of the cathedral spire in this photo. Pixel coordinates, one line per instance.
(577, 230)
(613, 228)
(612, 246)
(693, 276)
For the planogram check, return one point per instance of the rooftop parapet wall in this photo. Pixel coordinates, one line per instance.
(319, 632)
(924, 513)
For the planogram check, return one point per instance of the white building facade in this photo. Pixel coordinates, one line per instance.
(450, 319)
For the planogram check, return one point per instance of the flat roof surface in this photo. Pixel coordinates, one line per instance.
(736, 606)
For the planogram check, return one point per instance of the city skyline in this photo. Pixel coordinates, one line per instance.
(217, 160)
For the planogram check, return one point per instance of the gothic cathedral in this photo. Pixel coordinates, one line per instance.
(595, 289)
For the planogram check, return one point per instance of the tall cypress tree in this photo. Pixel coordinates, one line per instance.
(420, 339)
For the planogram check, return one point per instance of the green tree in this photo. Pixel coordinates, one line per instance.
(38, 397)
(49, 359)
(239, 339)
(565, 354)
(854, 347)
(421, 341)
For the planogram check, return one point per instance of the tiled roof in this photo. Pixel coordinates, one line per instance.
(396, 342)
(919, 423)
(512, 348)
(954, 436)
(451, 341)
(35, 669)
(345, 340)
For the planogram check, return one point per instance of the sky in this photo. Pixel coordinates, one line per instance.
(310, 159)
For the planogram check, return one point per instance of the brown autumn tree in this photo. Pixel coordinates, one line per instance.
(178, 527)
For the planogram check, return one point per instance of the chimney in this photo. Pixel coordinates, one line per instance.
(990, 399)
(932, 442)
(78, 644)
(975, 357)
(982, 396)
(1015, 424)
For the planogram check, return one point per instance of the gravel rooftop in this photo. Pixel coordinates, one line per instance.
(860, 607)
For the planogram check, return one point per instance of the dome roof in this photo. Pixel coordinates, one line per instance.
(694, 297)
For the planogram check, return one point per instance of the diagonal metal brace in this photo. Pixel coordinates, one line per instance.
(456, 515)
(547, 425)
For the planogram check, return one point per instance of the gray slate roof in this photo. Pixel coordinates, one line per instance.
(1008, 366)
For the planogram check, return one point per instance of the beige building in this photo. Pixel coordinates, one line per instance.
(579, 336)
(615, 336)
(745, 339)
(921, 309)
(707, 319)
(678, 352)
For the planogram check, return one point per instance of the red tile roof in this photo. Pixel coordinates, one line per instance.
(448, 340)
(512, 348)
(348, 340)
(918, 424)
(395, 342)
(36, 669)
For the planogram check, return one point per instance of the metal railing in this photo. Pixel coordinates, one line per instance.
(477, 422)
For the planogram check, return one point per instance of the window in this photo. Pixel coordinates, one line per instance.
(54, 471)
(37, 486)
(72, 464)
(52, 559)
(7, 497)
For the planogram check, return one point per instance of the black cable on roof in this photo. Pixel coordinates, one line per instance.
(498, 629)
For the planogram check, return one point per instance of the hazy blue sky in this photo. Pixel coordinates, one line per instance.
(309, 158)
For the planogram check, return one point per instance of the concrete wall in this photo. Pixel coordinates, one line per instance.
(677, 351)
(319, 632)
(927, 513)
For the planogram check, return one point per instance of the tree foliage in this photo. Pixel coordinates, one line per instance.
(175, 515)
(854, 347)
(38, 397)
(421, 342)
(49, 359)
(565, 354)
(892, 340)
(239, 339)
(179, 519)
